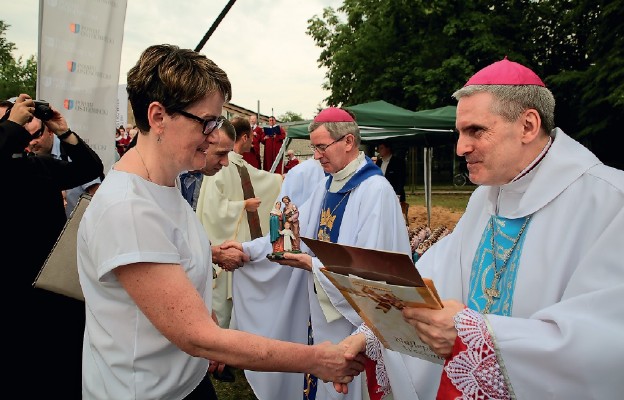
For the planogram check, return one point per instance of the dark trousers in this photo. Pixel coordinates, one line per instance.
(204, 391)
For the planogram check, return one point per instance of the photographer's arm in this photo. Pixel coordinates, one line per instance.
(58, 125)
(13, 137)
(85, 164)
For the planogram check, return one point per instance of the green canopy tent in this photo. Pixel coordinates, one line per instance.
(379, 120)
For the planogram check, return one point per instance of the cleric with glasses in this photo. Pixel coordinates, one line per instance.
(322, 148)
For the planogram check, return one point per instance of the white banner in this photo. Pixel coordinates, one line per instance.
(122, 106)
(78, 67)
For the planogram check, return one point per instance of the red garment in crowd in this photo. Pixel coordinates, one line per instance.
(253, 155)
(122, 144)
(272, 138)
(290, 164)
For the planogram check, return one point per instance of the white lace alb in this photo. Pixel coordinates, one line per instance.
(373, 351)
(476, 372)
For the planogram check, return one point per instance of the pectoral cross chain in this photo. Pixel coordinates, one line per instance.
(492, 294)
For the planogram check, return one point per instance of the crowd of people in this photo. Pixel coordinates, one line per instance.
(123, 138)
(174, 251)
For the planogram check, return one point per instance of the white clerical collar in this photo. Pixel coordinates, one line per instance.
(341, 177)
(510, 194)
(536, 161)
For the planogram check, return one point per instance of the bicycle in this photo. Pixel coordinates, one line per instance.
(460, 179)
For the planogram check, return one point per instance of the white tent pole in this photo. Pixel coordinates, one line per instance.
(427, 158)
(280, 155)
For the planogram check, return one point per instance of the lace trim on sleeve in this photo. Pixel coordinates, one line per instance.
(476, 372)
(373, 351)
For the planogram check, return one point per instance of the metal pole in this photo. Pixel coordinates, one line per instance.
(427, 159)
(215, 25)
(280, 155)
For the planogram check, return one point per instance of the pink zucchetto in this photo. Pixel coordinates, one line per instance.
(505, 72)
(333, 114)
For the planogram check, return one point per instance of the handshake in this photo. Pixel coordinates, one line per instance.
(337, 363)
(229, 255)
(348, 361)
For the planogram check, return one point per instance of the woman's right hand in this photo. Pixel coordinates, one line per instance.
(334, 363)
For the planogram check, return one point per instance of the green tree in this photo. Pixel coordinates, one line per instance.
(410, 53)
(414, 54)
(16, 76)
(290, 116)
(597, 89)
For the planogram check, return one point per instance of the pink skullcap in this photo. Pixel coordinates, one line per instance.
(505, 72)
(333, 114)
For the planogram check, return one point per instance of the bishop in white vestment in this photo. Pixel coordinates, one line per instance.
(532, 275)
(370, 216)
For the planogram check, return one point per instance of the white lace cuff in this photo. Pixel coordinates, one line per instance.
(476, 372)
(373, 351)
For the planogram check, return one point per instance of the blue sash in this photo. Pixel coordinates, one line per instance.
(483, 270)
(334, 204)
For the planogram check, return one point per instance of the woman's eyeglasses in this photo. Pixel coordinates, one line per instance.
(209, 125)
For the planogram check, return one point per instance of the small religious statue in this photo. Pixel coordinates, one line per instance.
(275, 226)
(284, 229)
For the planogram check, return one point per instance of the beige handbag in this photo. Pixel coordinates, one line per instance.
(59, 273)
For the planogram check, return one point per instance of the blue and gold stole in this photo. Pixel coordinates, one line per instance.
(334, 203)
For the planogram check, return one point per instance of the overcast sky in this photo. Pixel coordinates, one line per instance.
(261, 44)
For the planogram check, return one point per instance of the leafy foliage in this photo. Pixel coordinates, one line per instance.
(16, 76)
(290, 116)
(415, 54)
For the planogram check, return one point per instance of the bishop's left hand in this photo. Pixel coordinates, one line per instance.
(296, 260)
(435, 327)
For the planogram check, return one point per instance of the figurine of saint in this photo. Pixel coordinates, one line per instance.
(275, 226)
(284, 229)
(291, 214)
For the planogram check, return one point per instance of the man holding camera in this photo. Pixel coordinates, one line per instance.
(44, 328)
(45, 143)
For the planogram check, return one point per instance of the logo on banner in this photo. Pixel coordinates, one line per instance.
(82, 106)
(87, 69)
(90, 32)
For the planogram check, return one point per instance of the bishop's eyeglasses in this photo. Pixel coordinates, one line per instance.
(322, 148)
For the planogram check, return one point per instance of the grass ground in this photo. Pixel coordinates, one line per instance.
(237, 390)
(449, 197)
